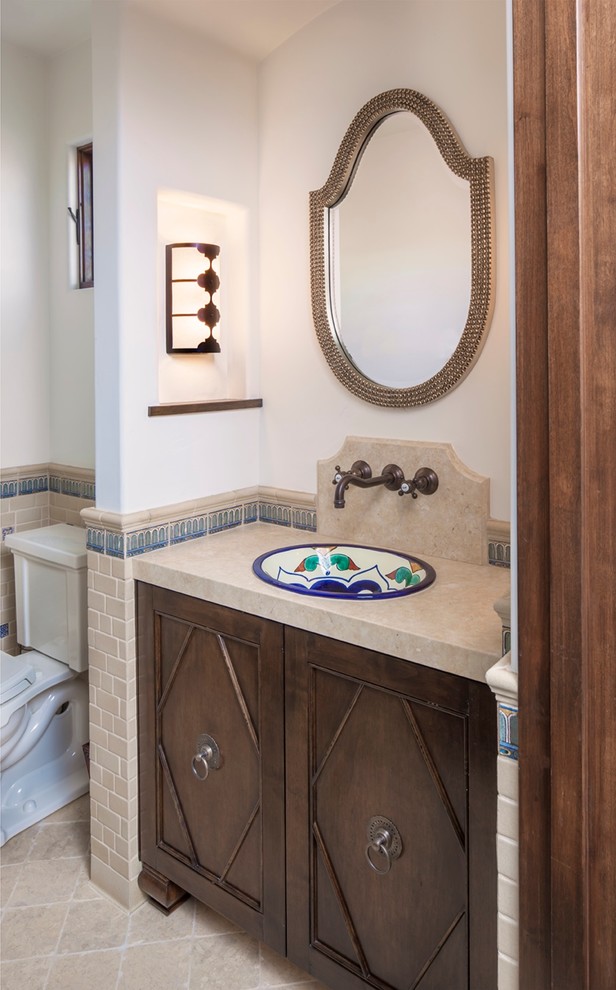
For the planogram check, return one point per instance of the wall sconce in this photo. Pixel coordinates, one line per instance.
(187, 312)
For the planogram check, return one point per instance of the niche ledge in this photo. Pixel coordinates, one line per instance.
(211, 405)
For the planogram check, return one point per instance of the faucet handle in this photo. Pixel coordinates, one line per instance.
(425, 481)
(360, 469)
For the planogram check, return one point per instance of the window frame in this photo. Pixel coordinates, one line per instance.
(85, 215)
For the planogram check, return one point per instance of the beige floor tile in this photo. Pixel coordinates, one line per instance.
(148, 924)
(31, 930)
(277, 971)
(18, 849)
(305, 984)
(85, 971)
(62, 840)
(86, 891)
(27, 974)
(76, 811)
(9, 876)
(208, 922)
(92, 925)
(225, 962)
(160, 966)
(46, 882)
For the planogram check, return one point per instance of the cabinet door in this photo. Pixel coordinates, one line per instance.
(218, 833)
(373, 738)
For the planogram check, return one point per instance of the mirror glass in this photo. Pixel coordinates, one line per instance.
(401, 254)
(400, 257)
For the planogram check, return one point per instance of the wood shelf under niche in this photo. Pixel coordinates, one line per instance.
(212, 405)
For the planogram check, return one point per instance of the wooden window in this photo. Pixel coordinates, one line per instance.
(84, 218)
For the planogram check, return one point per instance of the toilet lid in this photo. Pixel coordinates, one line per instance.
(15, 676)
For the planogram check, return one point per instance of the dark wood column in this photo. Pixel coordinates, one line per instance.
(565, 217)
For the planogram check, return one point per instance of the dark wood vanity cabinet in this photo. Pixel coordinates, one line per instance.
(377, 776)
(391, 821)
(216, 832)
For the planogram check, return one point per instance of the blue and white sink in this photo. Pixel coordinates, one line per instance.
(345, 571)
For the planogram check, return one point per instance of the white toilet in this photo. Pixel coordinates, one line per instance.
(43, 700)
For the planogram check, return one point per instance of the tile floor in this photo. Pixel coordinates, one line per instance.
(59, 933)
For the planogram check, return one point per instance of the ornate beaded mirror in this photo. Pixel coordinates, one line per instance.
(401, 254)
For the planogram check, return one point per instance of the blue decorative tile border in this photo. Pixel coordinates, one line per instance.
(506, 639)
(225, 519)
(508, 731)
(4, 630)
(144, 540)
(45, 482)
(499, 554)
(288, 515)
(126, 545)
(24, 486)
(187, 529)
(71, 486)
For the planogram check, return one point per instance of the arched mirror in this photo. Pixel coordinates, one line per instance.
(401, 250)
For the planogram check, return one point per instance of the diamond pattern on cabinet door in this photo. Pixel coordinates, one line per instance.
(208, 683)
(395, 774)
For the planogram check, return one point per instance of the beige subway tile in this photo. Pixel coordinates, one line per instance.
(508, 973)
(106, 759)
(120, 568)
(118, 746)
(109, 819)
(96, 830)
(117, 668)
(118, 864)
(119, 805)
(507, 855)
(107, 779)
(105, 624)
(507, 817)
(97, 600)
(507, 777)
(508, 936)
(508, 898)
(108, 644)
(98, 736)
(119, 608)
(93, 625)
(108, 837)
(96, 772)
(107, 684)
(108, 721)
(100, 851)
(122, 848)
(105, 584)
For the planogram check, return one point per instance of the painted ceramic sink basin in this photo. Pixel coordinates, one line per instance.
(345, 571)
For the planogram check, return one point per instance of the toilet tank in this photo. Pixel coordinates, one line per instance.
(51, 592)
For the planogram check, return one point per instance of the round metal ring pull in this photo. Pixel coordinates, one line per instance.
(384, 843)
(206, 758)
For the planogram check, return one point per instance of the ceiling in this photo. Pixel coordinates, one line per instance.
(251, 27)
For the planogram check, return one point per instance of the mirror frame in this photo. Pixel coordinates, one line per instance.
(479, 172)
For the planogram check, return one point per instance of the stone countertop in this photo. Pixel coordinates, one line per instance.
(451, 626)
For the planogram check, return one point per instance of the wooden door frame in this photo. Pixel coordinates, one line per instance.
(565, 191)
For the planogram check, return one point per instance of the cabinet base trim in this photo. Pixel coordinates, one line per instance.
(165, 894)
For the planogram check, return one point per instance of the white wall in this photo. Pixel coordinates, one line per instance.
(47, 327)
(171, 112)
(453, 51)
(71, 309)
(25, 435)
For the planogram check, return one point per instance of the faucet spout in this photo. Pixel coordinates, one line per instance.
(360, 476)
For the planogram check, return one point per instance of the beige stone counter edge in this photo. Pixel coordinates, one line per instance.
(451, 626)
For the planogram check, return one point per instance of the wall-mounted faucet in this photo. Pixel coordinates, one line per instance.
(391, 477)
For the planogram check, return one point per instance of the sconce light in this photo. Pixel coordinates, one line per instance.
(188, 313)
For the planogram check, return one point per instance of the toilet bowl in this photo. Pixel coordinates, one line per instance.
(43, 692)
